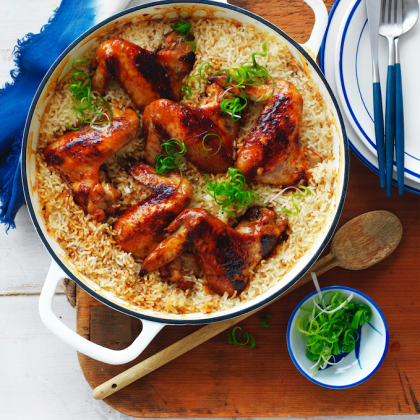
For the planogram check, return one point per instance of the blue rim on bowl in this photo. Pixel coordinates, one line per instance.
(289, 346)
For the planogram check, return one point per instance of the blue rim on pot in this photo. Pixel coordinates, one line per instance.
(204, 320)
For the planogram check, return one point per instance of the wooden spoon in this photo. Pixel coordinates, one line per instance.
(359, 244)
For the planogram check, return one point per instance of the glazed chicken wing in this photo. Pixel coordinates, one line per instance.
(225, 255)
(271, 152)
(165, 119)
(144, 75)
(141, 229)
(78, 155)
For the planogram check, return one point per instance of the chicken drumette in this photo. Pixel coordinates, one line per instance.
(225, 255)
(165, 119)
(271, 152)
(141, 229)
(78, 155)
(145, 75)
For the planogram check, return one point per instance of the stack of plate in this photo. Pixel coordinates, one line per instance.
(346, 62)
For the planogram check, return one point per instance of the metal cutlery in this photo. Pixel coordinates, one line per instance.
(374, 12)
(408, 12)
(391, 28)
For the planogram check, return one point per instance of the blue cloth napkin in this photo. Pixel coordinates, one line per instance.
(33, 56)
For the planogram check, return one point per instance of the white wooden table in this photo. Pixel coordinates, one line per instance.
(40, 377)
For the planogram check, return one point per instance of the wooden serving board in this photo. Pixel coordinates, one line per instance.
(218, 380)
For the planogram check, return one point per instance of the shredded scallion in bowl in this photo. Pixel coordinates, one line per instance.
(332, 327)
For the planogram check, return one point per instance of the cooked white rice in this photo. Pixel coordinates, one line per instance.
(91, 245)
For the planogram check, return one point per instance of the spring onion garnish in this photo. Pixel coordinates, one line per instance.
(168, 160)
(86, 111)
(308, 193)
(332, 328)
(249, 73)
(203, 67)
(209, 150)
(232, 191)
(248, 337)
(264, 322)
(233, 106)
(186, 88)
(184, 28)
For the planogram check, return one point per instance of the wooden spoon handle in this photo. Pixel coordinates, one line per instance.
(193, 340)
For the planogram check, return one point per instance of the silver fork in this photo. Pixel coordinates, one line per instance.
(391, 28)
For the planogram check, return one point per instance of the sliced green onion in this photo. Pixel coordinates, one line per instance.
(187, 89)
(248, 337)
(249, 73)
(362, 315)
(201, 69)
(184, 28)
(86, 111)
(231, 193)
(264, 322)
(252, 343)
(232, 105)
(308, 193)
(168, 160)
(332, 328)
(235, 342)
(227, 76)
(263, 54)
(209, 150)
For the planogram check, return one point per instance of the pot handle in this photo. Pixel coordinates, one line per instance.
(321, 21)
(64, 333)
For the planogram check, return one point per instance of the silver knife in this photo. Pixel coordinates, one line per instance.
(373, 8)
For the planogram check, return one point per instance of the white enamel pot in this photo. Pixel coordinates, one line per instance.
(61, 267)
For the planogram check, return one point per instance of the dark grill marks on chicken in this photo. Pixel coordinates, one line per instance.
(141, 228)
(164, 119)
(268, 125)
(276, 136)
(271, 152)
(78, 156)
(154, 73)
(225, 255)
(145, 75)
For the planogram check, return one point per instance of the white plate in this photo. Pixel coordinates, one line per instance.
(327, 64)
(353, 72)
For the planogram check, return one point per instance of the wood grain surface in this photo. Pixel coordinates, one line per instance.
(361, 243)
(223, 381)
(218, 380)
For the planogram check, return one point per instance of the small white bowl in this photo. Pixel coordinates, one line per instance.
(351, 371)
